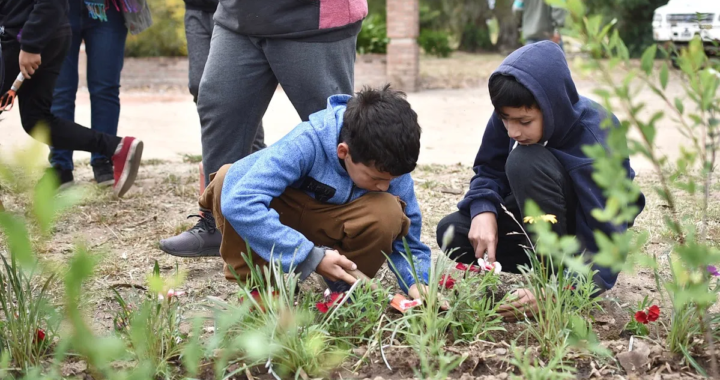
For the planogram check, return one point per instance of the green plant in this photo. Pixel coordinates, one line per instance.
(166, 37)
(29, 323)
(695, 114)
(373, 36)
(531, 367)
(435, 42)
(152, 328)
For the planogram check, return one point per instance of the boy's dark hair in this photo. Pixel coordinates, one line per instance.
(381, 130)
(506, 91)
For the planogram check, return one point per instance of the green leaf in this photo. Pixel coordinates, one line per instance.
(664, 73)
(18, 239)
(648, 59)
(679, 105)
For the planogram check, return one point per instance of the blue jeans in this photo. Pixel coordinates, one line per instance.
(105, 49)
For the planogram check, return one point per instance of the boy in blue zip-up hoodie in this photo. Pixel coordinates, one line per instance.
(332, 196)
(532, 150)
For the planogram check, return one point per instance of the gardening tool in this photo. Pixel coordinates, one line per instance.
(7, 100)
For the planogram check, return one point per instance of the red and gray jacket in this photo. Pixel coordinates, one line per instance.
(307, 20)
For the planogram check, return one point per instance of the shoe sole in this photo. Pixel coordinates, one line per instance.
(208, 252)
(129, 174)
(105, 183)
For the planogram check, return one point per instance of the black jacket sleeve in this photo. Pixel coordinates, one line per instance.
(43, 22)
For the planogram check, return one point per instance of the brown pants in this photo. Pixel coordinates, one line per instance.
(362, 230)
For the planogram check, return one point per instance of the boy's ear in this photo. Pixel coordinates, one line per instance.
(343, 150)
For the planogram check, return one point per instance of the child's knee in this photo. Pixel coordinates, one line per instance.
(526, 162)
(385, 215)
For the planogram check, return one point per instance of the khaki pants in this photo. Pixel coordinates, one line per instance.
(363, 230)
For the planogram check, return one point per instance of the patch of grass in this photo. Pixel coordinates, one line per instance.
(192, 158)
(153, 162)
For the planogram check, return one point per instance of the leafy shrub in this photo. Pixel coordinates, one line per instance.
(373, 36)
(435, 42)
(166, 37)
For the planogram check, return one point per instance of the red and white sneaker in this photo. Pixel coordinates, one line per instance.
(126, 164)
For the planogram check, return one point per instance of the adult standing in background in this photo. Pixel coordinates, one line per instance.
(308, 47)
(198, 31)
(540, 21)
(102, 26)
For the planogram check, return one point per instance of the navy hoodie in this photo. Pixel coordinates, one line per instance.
(570, 121)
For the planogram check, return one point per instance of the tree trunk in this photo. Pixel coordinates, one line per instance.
(475, 36)
(508, 27)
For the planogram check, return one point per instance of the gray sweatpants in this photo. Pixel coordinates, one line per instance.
(198, 30)
(241, 76)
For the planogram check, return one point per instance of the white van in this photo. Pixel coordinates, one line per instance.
(681, 20)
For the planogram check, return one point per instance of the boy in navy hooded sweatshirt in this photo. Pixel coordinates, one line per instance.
(532, 150)
(333, 196)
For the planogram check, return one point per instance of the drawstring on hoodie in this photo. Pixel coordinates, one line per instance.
(516, 144)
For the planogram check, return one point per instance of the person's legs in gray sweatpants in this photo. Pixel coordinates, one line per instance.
(240, 78)
(198, 30)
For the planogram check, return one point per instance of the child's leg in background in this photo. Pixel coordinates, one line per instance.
(66, 87)
(198, 31)
(35, 99)
(105, 48)
(361, 230)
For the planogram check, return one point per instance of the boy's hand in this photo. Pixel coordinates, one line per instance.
(556, 38)
(414, 293)
(29, 63)
(334, 266)
(483, 235)
(525, 303)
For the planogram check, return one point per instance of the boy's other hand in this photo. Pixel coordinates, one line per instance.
(524, 304)
(414, 293)
(29, 63)
(556, 38)
(334, 267)
(483, 235)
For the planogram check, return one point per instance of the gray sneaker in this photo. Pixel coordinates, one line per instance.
(200, 241)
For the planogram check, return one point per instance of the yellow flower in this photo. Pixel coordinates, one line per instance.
(546, 218)
(549, 218)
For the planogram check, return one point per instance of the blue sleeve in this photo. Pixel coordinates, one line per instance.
(489, 184)
(419, 251)
(246, 197)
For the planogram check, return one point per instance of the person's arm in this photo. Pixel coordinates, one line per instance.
(558, 17)
(41, 25)
(246, 201)
(489, 183)
(419, 251)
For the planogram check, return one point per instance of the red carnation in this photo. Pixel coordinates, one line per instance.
(447, 282)
(330, 301)
(39, 336)
(464, 267)
(653, 313)
(641, 317)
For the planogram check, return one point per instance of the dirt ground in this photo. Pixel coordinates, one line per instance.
(125, 233)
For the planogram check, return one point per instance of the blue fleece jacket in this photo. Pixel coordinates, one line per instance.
(308, 151)
(570, 121)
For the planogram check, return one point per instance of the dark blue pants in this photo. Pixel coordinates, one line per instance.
(105, 48)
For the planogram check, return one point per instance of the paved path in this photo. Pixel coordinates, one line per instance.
(453, 122)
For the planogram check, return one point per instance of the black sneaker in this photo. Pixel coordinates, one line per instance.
(65, 177)
(103, 171)
(200, 241)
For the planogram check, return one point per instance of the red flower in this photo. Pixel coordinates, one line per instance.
(641, 317)
(653, 313)
(447, 282)
(464, 267)
(39, 336)
(330, 301)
